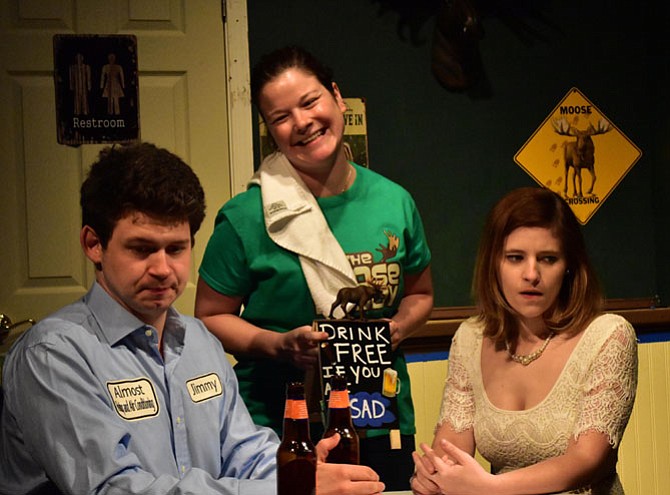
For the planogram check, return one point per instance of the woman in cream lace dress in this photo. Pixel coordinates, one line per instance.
(541, 383)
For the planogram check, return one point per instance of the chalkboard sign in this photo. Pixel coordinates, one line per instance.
(361, 351)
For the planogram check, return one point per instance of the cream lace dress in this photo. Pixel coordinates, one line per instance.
(595, 391)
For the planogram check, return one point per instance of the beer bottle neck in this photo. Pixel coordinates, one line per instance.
(296, 420)
(296, 429)
(339, 417)
(338, 399)
(338, 409)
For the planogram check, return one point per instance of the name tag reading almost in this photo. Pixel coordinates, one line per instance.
(204, 387)
(134, 399)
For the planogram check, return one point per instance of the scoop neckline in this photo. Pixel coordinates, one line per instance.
(551, 390)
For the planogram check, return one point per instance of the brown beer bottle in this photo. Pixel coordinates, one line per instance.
(296, 457)
(339, 421)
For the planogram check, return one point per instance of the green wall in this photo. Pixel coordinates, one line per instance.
(454, 151)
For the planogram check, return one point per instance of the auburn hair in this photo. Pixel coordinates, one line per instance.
(579, 299)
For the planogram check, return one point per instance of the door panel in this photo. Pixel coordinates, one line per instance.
(182, 105)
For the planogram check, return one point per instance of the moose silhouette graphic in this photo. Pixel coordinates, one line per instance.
(579, 154)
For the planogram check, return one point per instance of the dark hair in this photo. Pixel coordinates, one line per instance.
(144, 178)
(579, 299)
(275, 63)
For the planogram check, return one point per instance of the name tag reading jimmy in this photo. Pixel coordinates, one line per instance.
(204, 387)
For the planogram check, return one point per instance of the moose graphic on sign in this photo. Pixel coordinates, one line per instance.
(594, 143)
(579, 154)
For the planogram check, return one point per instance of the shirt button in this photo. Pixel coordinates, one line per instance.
(183, 469)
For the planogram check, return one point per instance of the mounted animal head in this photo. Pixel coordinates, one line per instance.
(456, 62)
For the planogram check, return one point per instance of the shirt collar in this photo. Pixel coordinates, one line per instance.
(114, 321)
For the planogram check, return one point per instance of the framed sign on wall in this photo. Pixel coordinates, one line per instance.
(97, 91)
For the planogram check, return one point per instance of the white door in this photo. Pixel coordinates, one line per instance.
(183, 94)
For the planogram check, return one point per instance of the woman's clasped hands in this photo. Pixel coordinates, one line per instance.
(453, 473)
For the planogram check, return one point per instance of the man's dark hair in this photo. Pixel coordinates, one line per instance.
(144, 178)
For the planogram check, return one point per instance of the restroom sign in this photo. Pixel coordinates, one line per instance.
(97, 90)
(578, 153)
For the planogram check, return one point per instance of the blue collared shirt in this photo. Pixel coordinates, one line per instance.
(90, 403)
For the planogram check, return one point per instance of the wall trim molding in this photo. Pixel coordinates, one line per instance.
(436, 334)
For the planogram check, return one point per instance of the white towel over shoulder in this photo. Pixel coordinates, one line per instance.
(294, 221)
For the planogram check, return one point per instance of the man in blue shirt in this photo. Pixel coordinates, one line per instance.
(118, 393)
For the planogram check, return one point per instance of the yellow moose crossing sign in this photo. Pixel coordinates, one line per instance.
(578, 153)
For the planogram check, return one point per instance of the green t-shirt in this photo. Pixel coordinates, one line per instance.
(379, 228)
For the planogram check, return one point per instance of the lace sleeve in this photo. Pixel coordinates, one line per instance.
(458, 403)
(610, 387)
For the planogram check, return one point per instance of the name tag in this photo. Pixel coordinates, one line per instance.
(134, 399)
(204, 387)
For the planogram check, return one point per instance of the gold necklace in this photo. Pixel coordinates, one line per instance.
(528, 358)
(346, 179)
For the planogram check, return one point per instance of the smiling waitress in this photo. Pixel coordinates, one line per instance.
(261, 285)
